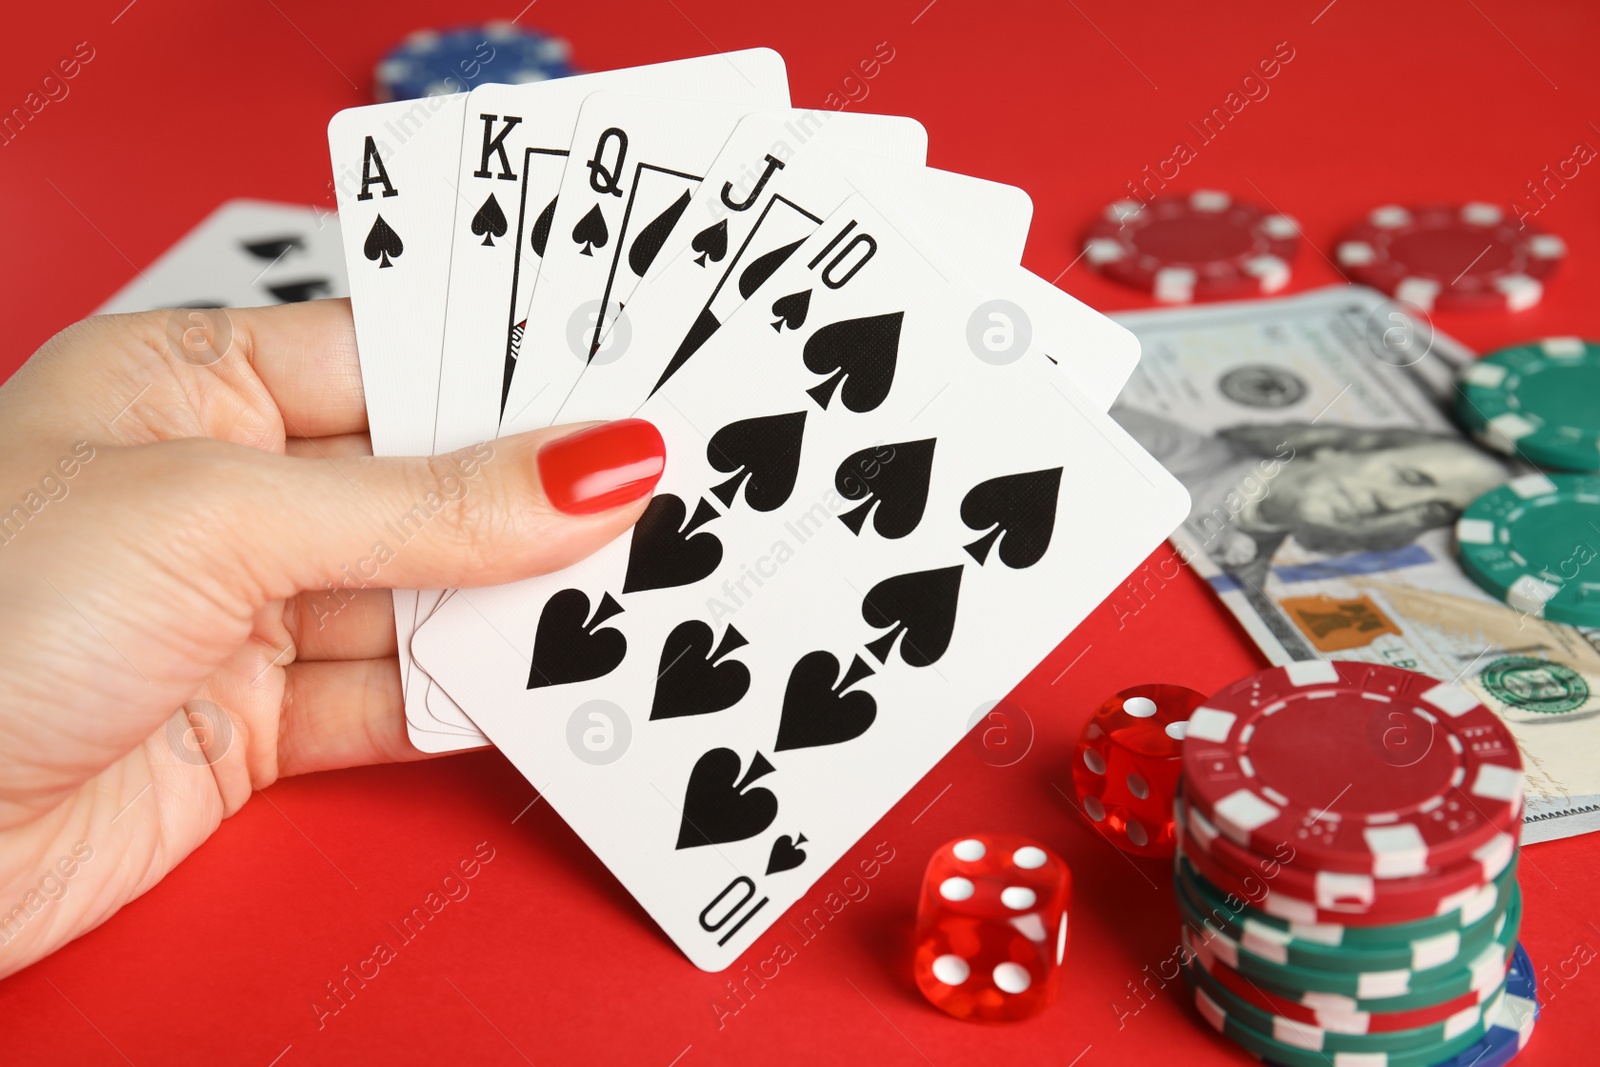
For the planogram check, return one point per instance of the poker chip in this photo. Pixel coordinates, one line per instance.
(1280, 1049)
(1353, 767)
(1202, 246)
(1272, 945)
(432, 62)
(1536, 400)
(1451, 256)
(1526, 543)
(1399, 989)
(1361, 895)
(1302, 1035)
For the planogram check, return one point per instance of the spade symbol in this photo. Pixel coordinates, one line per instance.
(817, 712)
(719, 807)
(490, 221)
(786, 854)
(761, 268)
(690, 680)
(568, 649)
(648, 244)
(859, 352)
(791, 310)
(922, 605)
(273, 249)
(665, 552)
(1020, 506)
(591, 232)
(766, 450)
(711, 243)
(541, 229)
(383, 243)
(897, 485)
(296, 292)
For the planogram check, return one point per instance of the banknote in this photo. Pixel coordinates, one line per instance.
(1314, 436)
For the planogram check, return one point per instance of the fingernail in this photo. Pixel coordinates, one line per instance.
(602, 467)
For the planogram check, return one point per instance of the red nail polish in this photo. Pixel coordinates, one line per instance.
(602, 467)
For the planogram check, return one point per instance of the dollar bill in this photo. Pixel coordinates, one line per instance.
(1314, 436)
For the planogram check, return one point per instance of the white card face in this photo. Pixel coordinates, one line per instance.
(751, 212)
(394, 173)
(905, 533)
(514, 151)
(246, 253)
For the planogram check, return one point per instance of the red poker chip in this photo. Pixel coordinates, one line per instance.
(1346, 893)
(1454, 257)
(1203, 246)
(1357, 767)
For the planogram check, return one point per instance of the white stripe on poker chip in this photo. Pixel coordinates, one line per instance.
(1201, 829)
(1175, 285)
(1265, 942)
(1496, 854)
(1547, 246)
(1418, 291)
(1272, 271)
(1209, 200)
(1488, 375)
(1389, 217)
(1123, 210)
(1297, 1035)
(1209, 724)
(1357, 1023)
(1475, 532)
(1336, 888)
(1510, 427)
(1563, 347)
(1283, 907)
(1516, 1014)
(1311, 672)
(1481, 214)
(1435, 951)
(1370, 984)
(1529, 594)
(1104, 250)
(1488, 968)
(1531, 485)
(1318, 933)
(1280, 227)
(1498, 782)
(1356, 254)
(1521, 292)
(1463, 1020)
(1452, 700)
(1480, 904)
(1329, 1003)
(1209, 1010)
(1242, 811)
(1398, 851)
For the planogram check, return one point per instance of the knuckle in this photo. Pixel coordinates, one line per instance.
(474, 521)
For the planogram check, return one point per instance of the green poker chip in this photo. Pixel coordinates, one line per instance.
(1398, 989)
(1489, 901)
(1420, 954)
(1316, 1039)
(1534, 543)
(1284, 1050)
(1539, 400)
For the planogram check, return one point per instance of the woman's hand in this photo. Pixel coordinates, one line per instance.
(175, 532)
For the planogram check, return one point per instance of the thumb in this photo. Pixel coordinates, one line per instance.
(493, 513)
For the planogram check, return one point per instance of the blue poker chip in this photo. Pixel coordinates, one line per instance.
(1513, 1023)
(432, 62)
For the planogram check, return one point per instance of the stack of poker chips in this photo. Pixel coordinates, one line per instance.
(1524, 542)
(1346, 870)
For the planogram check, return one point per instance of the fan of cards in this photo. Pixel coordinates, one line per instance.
(891, 485)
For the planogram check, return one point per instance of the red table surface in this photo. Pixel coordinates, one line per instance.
(548, 961)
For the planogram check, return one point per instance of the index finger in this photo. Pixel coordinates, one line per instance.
(306, 357)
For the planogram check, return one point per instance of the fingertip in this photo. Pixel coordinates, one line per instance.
(601, 467)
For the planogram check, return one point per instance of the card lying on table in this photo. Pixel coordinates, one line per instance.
(889, 471)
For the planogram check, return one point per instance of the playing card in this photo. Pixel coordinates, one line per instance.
(394, 172)
(244, 254)
(636, 163)
(513, 153)
(576, 281)
(868, 527)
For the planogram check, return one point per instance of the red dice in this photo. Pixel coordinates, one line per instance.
(992, 927)
(1126, 765)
